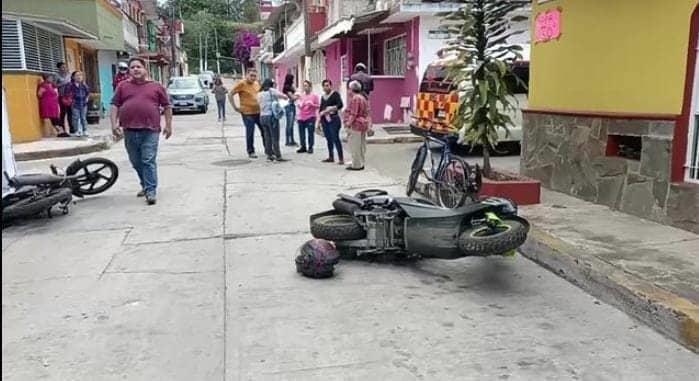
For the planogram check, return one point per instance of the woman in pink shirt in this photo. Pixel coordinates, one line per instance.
(308, 105)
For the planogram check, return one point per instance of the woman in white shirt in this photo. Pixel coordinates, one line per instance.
(270, 114)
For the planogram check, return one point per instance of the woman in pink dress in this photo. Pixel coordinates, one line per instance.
(49, 110)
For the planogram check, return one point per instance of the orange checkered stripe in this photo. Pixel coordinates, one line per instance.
(428, 104)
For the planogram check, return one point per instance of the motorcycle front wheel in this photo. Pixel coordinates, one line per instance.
(96, 175)
(483, 240)
(337, 227)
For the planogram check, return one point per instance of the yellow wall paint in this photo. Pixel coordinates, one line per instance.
(625, 56)
(23, 106)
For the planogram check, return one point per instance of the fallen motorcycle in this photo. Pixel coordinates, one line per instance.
(34, 194)
(375, 223)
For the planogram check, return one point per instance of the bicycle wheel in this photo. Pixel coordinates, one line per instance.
(416, 168)
(452, 183)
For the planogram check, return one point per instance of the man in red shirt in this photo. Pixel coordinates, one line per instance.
(121, 75)
(136, 116)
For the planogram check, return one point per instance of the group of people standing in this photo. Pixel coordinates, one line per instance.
(260, 105)
(64, 96)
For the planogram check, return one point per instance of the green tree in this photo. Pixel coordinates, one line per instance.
(483, 70)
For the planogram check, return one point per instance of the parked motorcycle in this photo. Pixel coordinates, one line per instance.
(374, 223)
(37, 193)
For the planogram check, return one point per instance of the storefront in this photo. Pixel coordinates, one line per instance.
(612, 105)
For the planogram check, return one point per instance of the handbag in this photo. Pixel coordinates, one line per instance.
(277, 109)
(67, 100)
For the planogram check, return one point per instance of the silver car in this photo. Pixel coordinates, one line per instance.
(187, 94)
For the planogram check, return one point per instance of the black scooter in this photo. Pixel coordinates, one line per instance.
(375, 223)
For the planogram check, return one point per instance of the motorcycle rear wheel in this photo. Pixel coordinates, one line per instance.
(92, 171)
(482, 240)
(36, 204)
(337, 227)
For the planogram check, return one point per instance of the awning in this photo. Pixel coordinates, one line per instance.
(348, 26)
(291, 54)
(58, 26)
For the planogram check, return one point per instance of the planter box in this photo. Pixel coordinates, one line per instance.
(522, 190)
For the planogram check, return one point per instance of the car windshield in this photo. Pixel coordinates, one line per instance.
(184, 83)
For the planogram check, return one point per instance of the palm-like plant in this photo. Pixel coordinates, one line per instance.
(483, 70)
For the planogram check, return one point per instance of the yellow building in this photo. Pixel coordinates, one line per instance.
(612, 112)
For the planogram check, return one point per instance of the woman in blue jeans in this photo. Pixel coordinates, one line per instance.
(330, 105)
(290, 109)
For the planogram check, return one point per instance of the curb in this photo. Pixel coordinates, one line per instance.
(392, 140)
(72, 151)
(671, 315)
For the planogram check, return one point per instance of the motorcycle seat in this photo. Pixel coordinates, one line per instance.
(36, 179)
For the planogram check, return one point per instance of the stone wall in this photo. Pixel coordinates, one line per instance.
(568, 154)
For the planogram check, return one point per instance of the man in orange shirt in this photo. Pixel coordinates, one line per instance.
(249, 108)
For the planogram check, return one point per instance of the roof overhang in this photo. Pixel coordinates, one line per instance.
(58, 26)
(348, 26)
(291, 54)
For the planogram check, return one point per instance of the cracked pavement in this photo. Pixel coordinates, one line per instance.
(203, 286)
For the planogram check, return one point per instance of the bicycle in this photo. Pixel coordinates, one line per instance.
(453, 178)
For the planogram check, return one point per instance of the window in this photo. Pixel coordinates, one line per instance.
(394, 56)
(317, 70)
(38, 50)
(11, 47)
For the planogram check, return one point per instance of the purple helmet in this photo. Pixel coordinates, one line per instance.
(317, 259)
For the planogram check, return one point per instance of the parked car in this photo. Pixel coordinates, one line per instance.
(207, 78)
(188, 94)
(438, 101)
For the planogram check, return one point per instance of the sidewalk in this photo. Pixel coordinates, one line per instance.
(647, 270)
(100, 139)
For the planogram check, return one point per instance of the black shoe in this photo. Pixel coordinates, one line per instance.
(328, 160)
(294, 144)
(354, 169)
(310, 150)
(141, 193)
(150, 200)
(301, 150)
(281, 159)
(252, 155)
(270, 158)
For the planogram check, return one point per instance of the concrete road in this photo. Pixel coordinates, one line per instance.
(202, 286)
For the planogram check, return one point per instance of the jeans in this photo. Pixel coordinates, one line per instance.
(307, 126)
(331, 130)
(221, 108)
(79, 119)
(290, 117)
(67, 111)
(142, 147)
(270, 131)
(250, 121)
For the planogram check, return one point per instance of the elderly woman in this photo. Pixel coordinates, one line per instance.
(356, 119)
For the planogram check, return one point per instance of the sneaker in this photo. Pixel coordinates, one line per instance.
(341, 162)
(310, 150)
(270, 158)
(252, 156)
(141, 193)
(301, 150)
(354, 169)
(281, 159)
(328, 160)
(150, 199)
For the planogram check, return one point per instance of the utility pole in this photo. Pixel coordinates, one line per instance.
(206, 51)
(307, 29)
(218, 54)
(201, 62)
(173, 33)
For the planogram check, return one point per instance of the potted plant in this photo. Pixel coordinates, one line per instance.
(483, 71)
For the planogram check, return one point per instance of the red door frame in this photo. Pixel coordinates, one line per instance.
(679, 145)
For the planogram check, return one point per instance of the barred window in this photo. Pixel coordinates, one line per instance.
(24, 46)
(394, 56)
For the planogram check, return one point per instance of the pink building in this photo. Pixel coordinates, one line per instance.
(395, 39)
